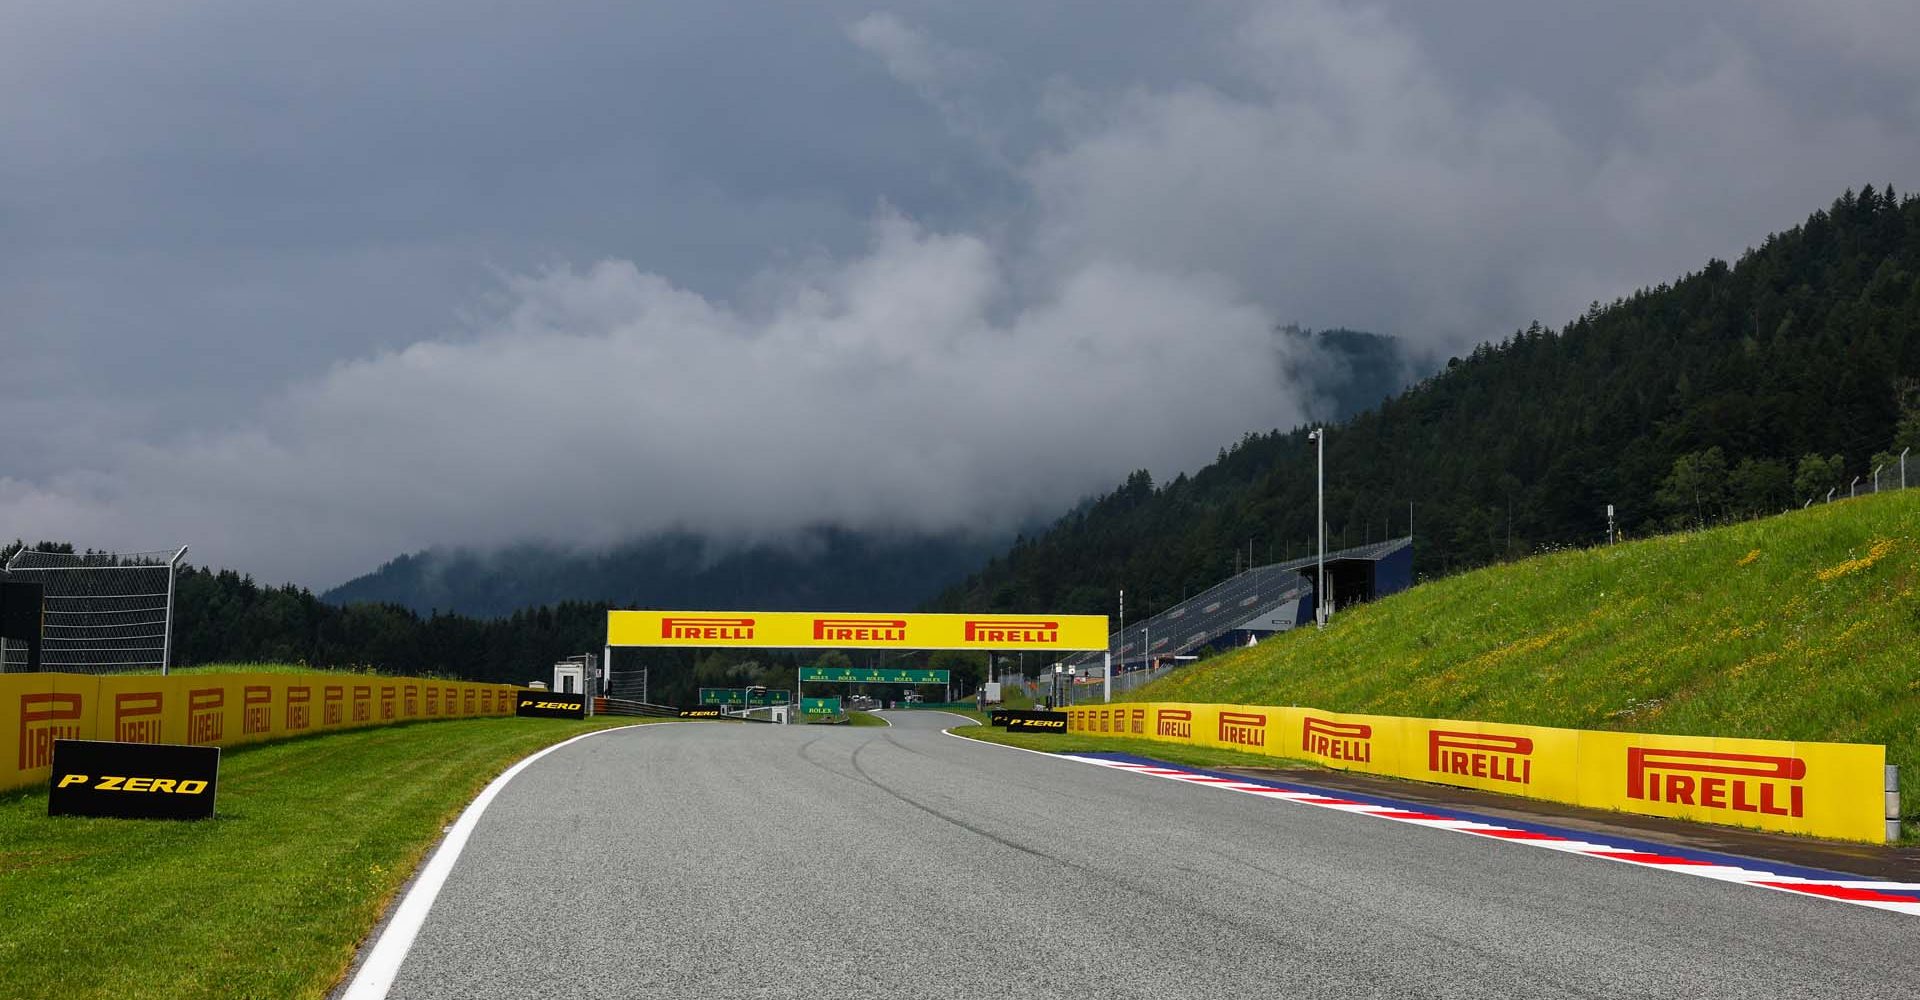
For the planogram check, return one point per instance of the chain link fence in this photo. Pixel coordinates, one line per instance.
(103, 612)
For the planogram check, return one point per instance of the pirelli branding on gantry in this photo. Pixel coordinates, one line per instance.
(851, 630)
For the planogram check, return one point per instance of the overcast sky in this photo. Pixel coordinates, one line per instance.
(310, 285)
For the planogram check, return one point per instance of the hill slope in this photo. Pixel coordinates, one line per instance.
(1730, 379)
(1802, 626)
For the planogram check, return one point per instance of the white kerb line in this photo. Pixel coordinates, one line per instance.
(383, 962)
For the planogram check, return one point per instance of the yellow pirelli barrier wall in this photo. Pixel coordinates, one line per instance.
(1820, 789)
(213, 709)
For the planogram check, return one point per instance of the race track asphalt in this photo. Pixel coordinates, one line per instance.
(726, 860)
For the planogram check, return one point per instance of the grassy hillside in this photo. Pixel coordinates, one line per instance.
(1802, 626)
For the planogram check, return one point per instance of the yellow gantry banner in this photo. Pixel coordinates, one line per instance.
(833, 630)
(214, 709)
(1819, 789)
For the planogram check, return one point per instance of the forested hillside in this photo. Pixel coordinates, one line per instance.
(827, 569)
(1737, 390)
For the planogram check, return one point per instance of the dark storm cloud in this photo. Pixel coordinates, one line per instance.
(310, 285)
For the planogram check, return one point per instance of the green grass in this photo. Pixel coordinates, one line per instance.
(865, 719)
(1015, 698)
(312, 838)
(1799, 627)
(1156, 749)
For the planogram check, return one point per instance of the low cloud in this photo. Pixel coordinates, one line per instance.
(900, 389)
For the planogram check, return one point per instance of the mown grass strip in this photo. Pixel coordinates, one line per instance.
(269, 899)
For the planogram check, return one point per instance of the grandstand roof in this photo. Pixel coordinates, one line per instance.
(1245, 602)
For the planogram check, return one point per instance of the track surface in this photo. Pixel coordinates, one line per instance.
(713, 860)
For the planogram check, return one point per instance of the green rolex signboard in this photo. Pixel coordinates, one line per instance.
(820, 706)
(723, 696)
(868, 675)
(740, 696)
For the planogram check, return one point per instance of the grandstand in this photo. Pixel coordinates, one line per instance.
(1254, 604)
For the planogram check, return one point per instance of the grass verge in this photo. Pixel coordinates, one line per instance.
(270, 899)
(1158, 750)
(865, 719)
(1797, 627)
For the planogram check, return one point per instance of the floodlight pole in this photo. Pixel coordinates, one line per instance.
(1319, 437)
(1108, 697)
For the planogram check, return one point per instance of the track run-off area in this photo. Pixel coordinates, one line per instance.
(707, 859)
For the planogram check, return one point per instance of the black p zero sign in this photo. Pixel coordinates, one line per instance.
(547, 705)
(998, 716)
(132, 780)
(1036, 722)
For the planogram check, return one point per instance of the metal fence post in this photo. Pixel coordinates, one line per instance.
(166, 641)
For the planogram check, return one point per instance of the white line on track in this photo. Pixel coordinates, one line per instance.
(383, 962)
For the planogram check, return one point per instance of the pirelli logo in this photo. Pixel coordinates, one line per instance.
(136, 716)
(451, 699)
(1337, 740)
(1480, 755)
(389, 701)
(486, 701)
(299, 710)
(859, 630)
(410, 701)
(46, 717)
(1139, 721)
(206, 715)
(1244, 729)
(256, 709)
(471, 698)
(1176, 723)
(362, 703)
(433, 700)
(704, 627)
(332, 705)
(1735, 782)
(991, 632)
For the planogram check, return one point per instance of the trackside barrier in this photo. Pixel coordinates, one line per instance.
(1837, 790)
(213, 709)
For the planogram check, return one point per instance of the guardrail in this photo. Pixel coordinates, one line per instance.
(214, 709)
(1839, 790)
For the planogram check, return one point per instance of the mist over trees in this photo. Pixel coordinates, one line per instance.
(1739, 390)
